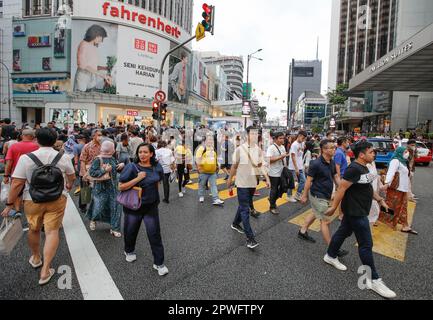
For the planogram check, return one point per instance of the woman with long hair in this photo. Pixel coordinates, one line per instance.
(145, 173)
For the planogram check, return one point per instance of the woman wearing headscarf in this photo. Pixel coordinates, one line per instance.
(104, 206)
(397, 198)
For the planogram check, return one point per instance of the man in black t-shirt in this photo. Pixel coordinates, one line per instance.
(356, 194)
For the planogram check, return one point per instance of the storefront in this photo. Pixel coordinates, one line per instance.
(70, 113)
(124, 115)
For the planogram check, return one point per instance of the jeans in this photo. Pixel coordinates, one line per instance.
(245, 196)
(166, 185)
(202, 182)
(273, 195)
(150, 216)
(181, 175)
(301, 181)
(361, 227)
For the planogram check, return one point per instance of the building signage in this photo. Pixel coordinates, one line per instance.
(125, 14)
(19, 30)
(246, 109)
(39, 41)
(390, 58)
(132, 113)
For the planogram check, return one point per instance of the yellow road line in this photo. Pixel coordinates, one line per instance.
(224, 195)
(194, 186)
(387, 242)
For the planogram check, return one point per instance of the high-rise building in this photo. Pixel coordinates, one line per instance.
(8, 10)
(363, 32)
(305, 75)
(233, 66)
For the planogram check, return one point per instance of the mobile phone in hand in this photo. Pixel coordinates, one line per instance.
(389, 211)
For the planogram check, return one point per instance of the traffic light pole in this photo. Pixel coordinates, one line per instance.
(161, 73)
(248, 78)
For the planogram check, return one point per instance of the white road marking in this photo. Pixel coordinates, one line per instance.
(94, 279)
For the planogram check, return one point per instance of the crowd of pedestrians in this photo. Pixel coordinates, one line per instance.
(120, 170)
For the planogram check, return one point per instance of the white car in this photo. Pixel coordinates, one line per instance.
(424, 153)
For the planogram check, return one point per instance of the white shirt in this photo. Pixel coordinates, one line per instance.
(246, 176)
(46, 155)
(298, 149)
(276, 168)
(166, 159)
(397, 166)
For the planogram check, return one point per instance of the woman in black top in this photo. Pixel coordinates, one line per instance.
(145, 173)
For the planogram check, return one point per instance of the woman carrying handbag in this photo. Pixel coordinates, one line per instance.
(397, 187)
(144, 174)
(103, 174)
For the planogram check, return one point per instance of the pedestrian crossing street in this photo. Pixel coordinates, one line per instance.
(387, 242)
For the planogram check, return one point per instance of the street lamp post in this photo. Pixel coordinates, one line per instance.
(250, 56)
(9, 87)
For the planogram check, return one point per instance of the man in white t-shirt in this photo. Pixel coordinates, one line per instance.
(166, 158)
(296, 165)
(48, 214)
(276, 157)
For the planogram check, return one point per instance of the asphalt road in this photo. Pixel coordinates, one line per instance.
(207, 260)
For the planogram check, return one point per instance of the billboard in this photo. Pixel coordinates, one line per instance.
(16, 60)
(38, 41)
(114, 59)
(43, 85)
(199, 80)
(178, 77)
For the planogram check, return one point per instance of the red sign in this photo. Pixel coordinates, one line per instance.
(140, 44)
(43, 86)
(160, 96)
(132, 113)
(152, 48)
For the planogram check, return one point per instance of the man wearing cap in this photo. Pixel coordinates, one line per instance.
(14, 153)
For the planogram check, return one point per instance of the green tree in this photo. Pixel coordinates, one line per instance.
(338, 96)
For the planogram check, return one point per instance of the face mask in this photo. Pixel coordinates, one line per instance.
(412, 148)
(406, 156)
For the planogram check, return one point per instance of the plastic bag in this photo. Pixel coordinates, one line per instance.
(5, 188)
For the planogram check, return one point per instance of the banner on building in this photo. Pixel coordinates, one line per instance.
(16, 60)
(38, 41)
(41, 85)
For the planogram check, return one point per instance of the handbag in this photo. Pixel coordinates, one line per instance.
(86, 195)
(11, 232)
(131, 199)
(105, 177)
(287, 174)
(5, 189)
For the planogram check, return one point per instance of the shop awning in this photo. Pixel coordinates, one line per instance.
(407, 68)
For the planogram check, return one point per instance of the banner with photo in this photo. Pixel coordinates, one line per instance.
(178, 77)
(114, 59)
(16, 60)
(41, 85)
(199, 78)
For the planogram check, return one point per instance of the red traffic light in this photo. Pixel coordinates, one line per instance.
(207, 9)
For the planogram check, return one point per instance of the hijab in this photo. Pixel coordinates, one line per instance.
(398, 154)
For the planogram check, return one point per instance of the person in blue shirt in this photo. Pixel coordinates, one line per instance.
(145, 173)
(340, 158)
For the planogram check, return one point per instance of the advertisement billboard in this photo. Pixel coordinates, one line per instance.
(42, 85)
(200, 80)
(178, 77)
(114, 59)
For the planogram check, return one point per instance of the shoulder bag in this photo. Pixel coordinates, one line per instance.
(131, 199)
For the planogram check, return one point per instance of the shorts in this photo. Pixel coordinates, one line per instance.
(50, 214)
(320, 206)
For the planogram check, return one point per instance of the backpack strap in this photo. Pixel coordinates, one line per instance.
(57, 158)
(35, 160)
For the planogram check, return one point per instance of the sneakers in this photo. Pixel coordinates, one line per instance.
(180, 194)
(381, 289)
(184, 190)
(162, 270)
(218, 202)
(166, 201)
(252, 243)
(306, 237)
(130, 257)
(254, 214)
(292, 199)
(335, 263)
(238, 228)
(92, 225)
(201, 200)
(298, 197)
(275, 212)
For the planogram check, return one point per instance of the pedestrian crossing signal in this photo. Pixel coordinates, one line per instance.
(163, 111)
(155, 110)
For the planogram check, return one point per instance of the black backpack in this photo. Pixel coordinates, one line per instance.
(47, 181)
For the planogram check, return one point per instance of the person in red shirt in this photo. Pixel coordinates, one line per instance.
(14, 153)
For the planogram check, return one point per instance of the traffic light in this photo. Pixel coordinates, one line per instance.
(208, 18)
(155, 109)
(163, 111)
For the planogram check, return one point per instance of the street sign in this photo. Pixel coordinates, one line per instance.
(332, 123)
(246, 109)
(160, 96)
(200, 32)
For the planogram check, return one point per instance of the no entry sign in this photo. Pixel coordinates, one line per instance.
(160, 96)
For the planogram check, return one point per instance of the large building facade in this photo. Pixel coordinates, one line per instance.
(233, 67)
(363, 32)
(100, 61)
(304, 75)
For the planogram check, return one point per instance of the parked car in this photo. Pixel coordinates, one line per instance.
(384, 150)
(425, 154)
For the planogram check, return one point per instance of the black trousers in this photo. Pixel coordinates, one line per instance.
(273, 195)
(182, 176)
(166, 185)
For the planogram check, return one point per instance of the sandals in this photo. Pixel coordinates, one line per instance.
(35, 265)
(116, 234)
(410, 231)
(92, 225)
(43, 282)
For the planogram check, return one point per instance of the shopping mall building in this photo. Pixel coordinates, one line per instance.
(98, 61)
